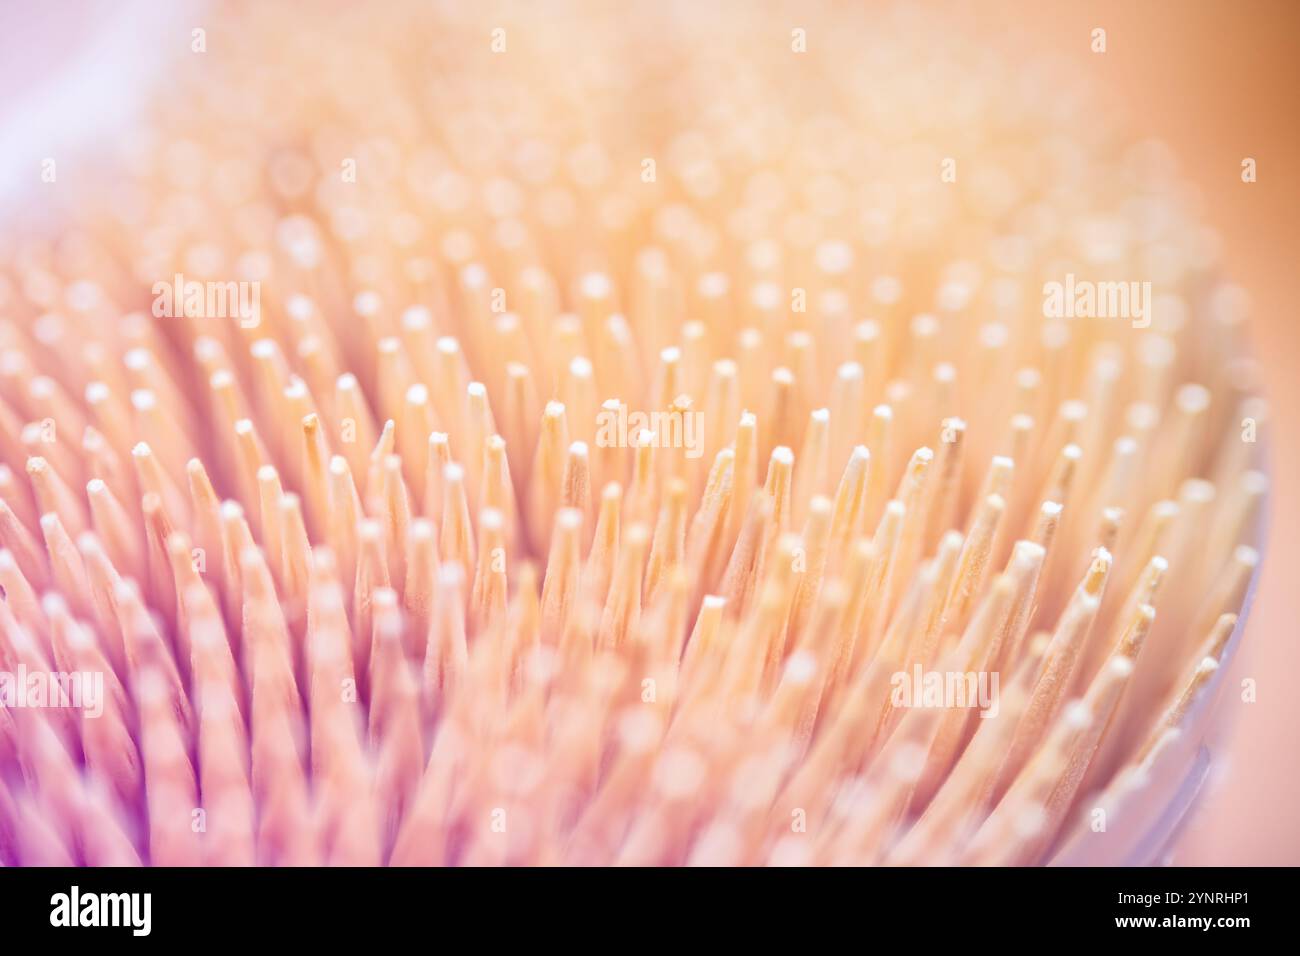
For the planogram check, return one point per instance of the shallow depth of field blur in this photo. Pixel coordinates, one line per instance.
(1217, 81)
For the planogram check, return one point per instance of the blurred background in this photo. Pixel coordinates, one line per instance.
(1218, 81)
